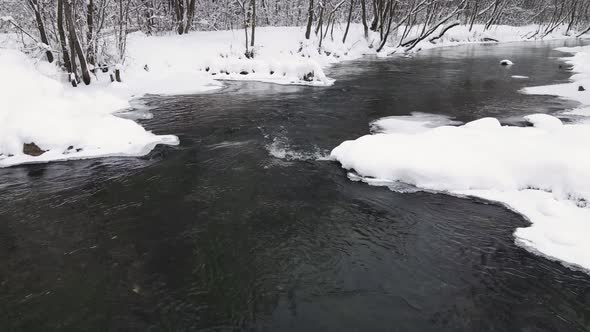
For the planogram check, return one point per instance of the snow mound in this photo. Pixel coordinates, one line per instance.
(281, 56)
(542, 172)
(417, 122)
(64, 122)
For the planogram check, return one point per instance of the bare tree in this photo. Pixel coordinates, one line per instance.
(348, 21)
(62, 39)
(364, 17)
(75, 46)
(309, 20)
(37, 10)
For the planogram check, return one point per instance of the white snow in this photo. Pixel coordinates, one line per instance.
(56, 116)
(581, 66)
(67, 123)
(541, 172)
(282, 55)
(518, 77)
(408, 124)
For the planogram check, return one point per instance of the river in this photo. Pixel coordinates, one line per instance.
(246, 226)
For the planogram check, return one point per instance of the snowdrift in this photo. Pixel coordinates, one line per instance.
(66, 123)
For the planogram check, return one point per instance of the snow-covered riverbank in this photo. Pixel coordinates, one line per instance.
(541, 172)
(39, 106)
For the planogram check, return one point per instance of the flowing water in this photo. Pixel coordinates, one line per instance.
(246, 226)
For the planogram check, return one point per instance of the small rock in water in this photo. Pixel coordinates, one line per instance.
(581, 88)
(506, 63)
(32, 149)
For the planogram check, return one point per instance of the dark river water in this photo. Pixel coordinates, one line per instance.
(241, 227)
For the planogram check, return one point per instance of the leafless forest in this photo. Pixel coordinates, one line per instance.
(86, 35)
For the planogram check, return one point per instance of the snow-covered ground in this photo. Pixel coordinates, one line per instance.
(282, 55)
(67, 123)
(39, 106)
(580, 62)
(541, 172)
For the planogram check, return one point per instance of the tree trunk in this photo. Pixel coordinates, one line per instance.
(265, 12)
(390, 9)
(179, 10)
(473, 16)
(75, 43)
(90, 33)
(309, 20)
(320, 20)
(375, 22)
(190, 15)
(253, 21)
(348, 23)
(41, 26)
(246, 24)
(572, 18)
(364, 9)
(62, 36)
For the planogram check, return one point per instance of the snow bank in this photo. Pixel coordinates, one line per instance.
(64, 122)
(415, 123)
(282, 55)
(541, 172)
(581, 66)
(460, 35)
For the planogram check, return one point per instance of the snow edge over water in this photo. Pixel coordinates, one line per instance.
(541, 172)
